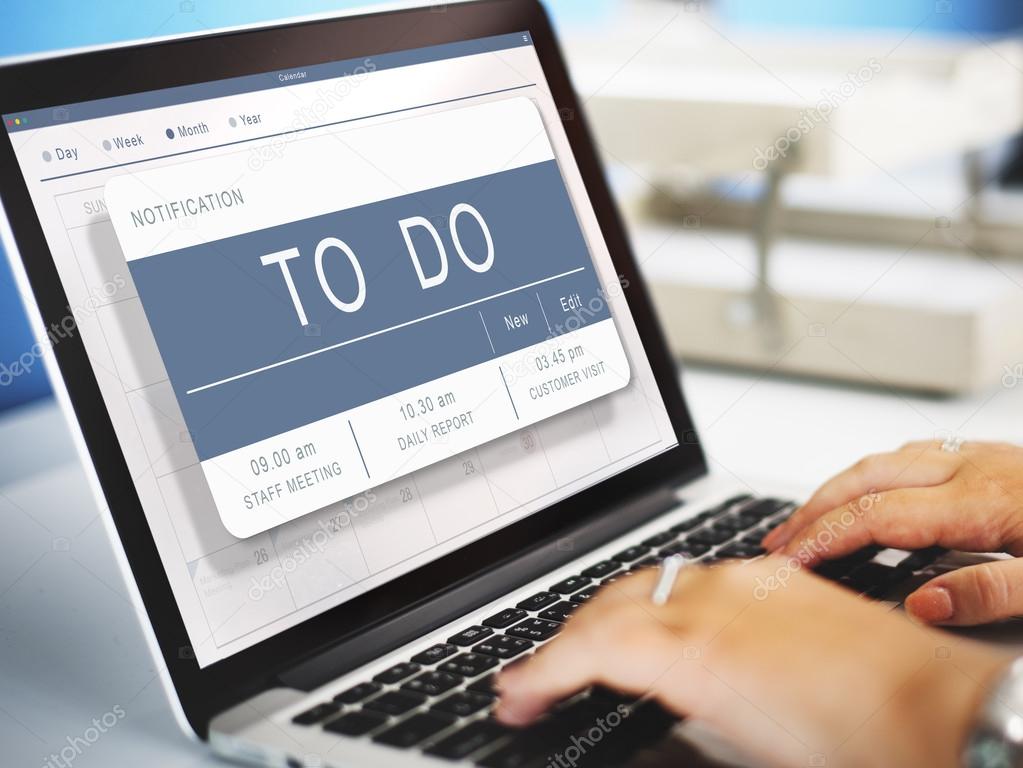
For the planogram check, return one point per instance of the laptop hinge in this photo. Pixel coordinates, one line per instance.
(479, 590)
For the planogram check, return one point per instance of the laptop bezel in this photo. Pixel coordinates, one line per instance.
(118, 71)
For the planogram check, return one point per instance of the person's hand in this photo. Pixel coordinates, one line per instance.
(922, 496)
(788, 675)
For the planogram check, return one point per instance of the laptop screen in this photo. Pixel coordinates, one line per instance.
(346, 319)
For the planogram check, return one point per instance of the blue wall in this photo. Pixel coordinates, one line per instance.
(957, 17)
(31, 27)
(16, 341)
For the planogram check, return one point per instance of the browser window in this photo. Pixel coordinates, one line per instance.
(345, 318)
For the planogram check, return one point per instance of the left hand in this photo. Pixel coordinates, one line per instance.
(787, 673)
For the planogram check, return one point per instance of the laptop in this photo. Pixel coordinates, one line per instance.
(363, 372)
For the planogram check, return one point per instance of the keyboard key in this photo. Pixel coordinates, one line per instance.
(417, 728)
(745, 521)
(317, 714)
(711, 536)
(891, 557)
(584, 596)
(357, 693)
(559, 612)
(601, 569)
(463, 703)
(874, 579)
(505, 618)
(659, 540)
(764, 508)
(483, 685)
(356, 723)
(631, 554)
(570, 585)
(468, 740)
(921, 558)
(538, 601)
(435, 653)
(397, 673)
(395, 702)
(748, 519)
(719, 526)
(685, 548)
(502, 646)
(535, 629)
(650, 562)
(741, 551)
(836, 569)
(687, 525)
(469, 664)
(433, 683)
(694, 549)
(733, 523)
(471, 636)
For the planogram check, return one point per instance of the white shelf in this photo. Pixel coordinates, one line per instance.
(917, 319)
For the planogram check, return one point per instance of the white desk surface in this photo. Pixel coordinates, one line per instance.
(71, 646)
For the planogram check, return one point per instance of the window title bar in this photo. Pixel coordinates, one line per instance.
(184, 94)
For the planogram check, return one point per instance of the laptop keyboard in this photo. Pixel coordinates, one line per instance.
(440, 700)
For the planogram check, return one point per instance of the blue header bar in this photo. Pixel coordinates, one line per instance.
(186, 94)
(244, 368)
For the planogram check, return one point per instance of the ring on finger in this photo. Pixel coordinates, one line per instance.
(952, 444)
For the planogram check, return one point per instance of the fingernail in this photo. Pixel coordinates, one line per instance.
(773, 539)
(788, 547)
(931, 605)
(509, 715)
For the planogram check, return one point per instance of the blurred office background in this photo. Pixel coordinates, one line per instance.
(830, 190)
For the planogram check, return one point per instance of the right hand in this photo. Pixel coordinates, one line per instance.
(921, 496)
(787, 672)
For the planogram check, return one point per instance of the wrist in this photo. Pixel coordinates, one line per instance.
(996, 735)
(942, 705)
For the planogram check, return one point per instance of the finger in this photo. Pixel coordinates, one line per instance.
(558, 670)
(906, 518)
(916, 465)
(616, 640)
(629, 662)
(975, 595)
(917, 445)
